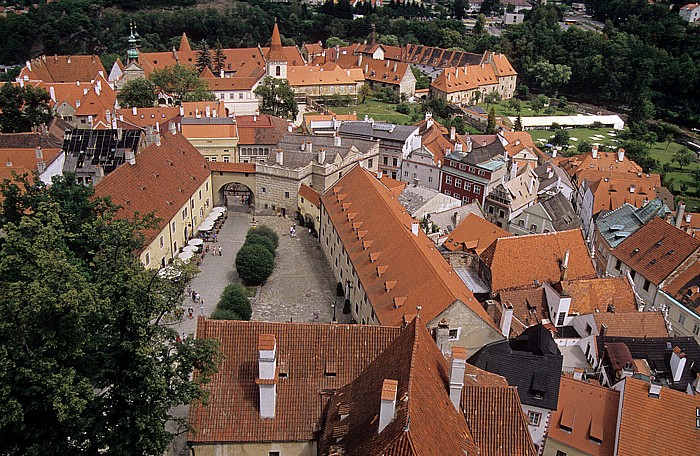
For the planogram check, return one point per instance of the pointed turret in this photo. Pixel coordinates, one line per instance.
(275, 58)
(184, 44)
(207, 74)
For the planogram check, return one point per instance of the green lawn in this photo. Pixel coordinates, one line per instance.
(579, 134)
(381, 111)
(503, 109)
(665, 156)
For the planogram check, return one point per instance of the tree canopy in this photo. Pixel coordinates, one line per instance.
(22, 108)
(90, 363)
(183, 82)
(277, 98)
(139, 92)
(254, 263)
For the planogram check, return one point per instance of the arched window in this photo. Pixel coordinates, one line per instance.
(278, 71)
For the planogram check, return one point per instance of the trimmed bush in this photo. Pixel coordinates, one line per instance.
(223, 314)
(234, 300)
(254, 263)
(256, 239)
(266, 231)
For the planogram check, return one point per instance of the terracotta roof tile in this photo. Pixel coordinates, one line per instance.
(632, 324)
(63, 68)
(686, 287)
(465, 78)
(261, 129)
(529, 307)
(231, 167)
(474, 234)
(232, 413)
(519, 261)
(194, 108)
(310, 194)
(656, 250)
(146, 117)
(162, 181)
(596, 295)
(585, 167)
(328, 74)
(412, 260)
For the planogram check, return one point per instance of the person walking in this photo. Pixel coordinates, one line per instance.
(190, 312)
(220, 253)
(201, 308)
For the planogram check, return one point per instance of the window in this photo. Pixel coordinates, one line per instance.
(560, 453)
(490, 209)
(681, 318)
(370, 162)
(589, 328)
(448, 193)
(646, 285)
(533, 227)
(148, 258)
(161, 242)
(618, 265)
(240, 96)
(395, 161)
(430, 179)
(560, 320)
(533, 418)
(462, 167)
(273, 453)
(173, 227)
(477, 189)
(263, 190)
(286, 194)
(386, 161)
(278, 72)
(454, 334)
(448, 180)
(501, 213)
(521, 223)
(184, 213)
(192, 203)
(227, 159)
(696, 330)
(633, 274)
(457, 195)
(465, 200)
(206, 187)
(415, 175)
(405, 174)
(458, 183)
(467, 185)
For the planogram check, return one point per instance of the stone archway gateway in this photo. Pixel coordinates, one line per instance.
(237, 194)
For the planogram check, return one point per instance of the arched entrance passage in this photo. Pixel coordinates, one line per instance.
(237, 194)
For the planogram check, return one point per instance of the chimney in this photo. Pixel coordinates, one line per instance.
(688, 217)
(208, 111)
(213, 112)
(290, 127)
(40, 165)
(696, 384)
(415, 227)
(267, 374)
(603, 330)
(52, 93)
(679, 214)
(565, 264)
(309, 146)
(379, 174)
(321, 155)
(578, 373)
(29, 65)
(506, 318)
(442, 334)
(395, 65)
(279, 157)
(337, 141)
(654, 389)
(158, 140)
(550, 172)
(387, 408)
(359, 61)
(221, 73)
(172, 129)
(458, 147)
(182, 111)
(456, 218)
(469, 144)
(453, 132)
(366, 68)
(130, 156)
(620, 154)
(134, 110)
(678, 360)
(632, 188)
(457, 366)
(554, 153)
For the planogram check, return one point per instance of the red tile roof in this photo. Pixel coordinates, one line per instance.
(519, 261)
(665, 425)
(261, 129)
(474, 234)
(464, 78)
(310, 195)
(656, 250)
(232, 167)
(632, 324)
(162, 181)
(146, 117)
(686, 286)
(63, 68)
(585, 167)
(595, 411)
(596, 295)
(275, 53)
(529, 307)
(304, 351)
(410, 261)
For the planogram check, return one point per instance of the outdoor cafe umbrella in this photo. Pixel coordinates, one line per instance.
(185, 256)
(219, 209)
(190, 248)
(195, 242)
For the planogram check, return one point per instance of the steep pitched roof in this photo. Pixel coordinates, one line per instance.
(369, 220)
(594, 407)
(529, 306)
(656, 250)
(615, 190)
(328, 74)
(632, 324)
(275, 54)
(162, 181)
(474, 233)
(145, 117)
(586, 167)
(598, 294)
(209, 127)
(465, 78)
(642, 432)
(686, 287)
(261, 129)
(619, 224)
(63, 68)
(521, 260)
(561, 212)
(310, 195)
(307, 353)
(422, 405)
(184, 44)
(49, 138)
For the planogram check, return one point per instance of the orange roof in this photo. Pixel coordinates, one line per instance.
(393, 185)
(529, 307)
(194, 108)
(632, 324)
(615, 190)
(308, 118)
(464, 78)
(665, 425)
(202, 128)
(519, 261)
(94, 104)
(275, 54)
(22, 161)
(328, 74)
(585, 167)
(362, 209)
(235, 82)
(500, 63)
(656, 250)
(261, 129)
(310, 195)
(231, 167)
(595, 410)
(434, 140)
(162, 181)
(145, 117)
(474, 234)
(686, 286)
(596, 295)
(184, 44)
(384, 71)
(63, 68)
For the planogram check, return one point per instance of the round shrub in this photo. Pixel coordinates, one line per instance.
(254, 263)
(266, 231)
(223, 314)
(256, 239)
(233, 299)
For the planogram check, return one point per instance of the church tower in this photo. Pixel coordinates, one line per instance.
(276, 61)
(134, 44)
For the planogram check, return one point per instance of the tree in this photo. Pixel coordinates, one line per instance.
(696, 180)
(550, 76)
(90, 363)
(233, 299)
(183, 82)
(219, 57)
(334, 41)
(257, 239)
(265, 231)
(422, 81)
(480, 26)
(515, 104)
(22, 108)
(223, 314)
(518, 124)
(561, 138)
(203, 56)
(389, 40)
(364, 93)
(277, 98)
(584, 146)
(683, 157)
(139, 92)
(491, 121)
(492, 97)
(538, 103)
(254, 263)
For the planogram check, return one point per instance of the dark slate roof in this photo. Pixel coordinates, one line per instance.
(88, 148)
(561, 212)
(657, 353)
(479, 154)
(50, 137)
(531, 362)
(559, 174)
(295, 157)
(376, 130)
(617, 225)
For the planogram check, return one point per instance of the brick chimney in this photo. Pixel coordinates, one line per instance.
(457, 366)
(387, 408)
(506, 318)
(565, 264)
(453, 132)
(678, 360)
(679, 214)
(267, 374)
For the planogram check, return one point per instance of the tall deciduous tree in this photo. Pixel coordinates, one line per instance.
(22, 108)
(182, 82)
(139, 92)
(550, 76)
(89, 364)
(683, 157)
(277, 98)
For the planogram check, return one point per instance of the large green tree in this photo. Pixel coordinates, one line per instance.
(182, 82)
(254, 263)
(90, 362)
(139, 92)
(203, 56)
(277, 98)
(22, 108)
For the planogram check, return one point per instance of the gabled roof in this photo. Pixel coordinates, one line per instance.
(377, 130)
(184, 44)
(632, 324)
(163, 180)
(199, 108)
(594, 408)
(615, 190)
(209, 127)
(561, 212)
(422, 405)
(261, 129)
(529, 306)
(295, 156)
(686, 287)
(664, 425)
(275, 53)
(656, 250)
(585, 167)
(521, 260)
(105, 148)
(531, 362)
(619, 224)
(589, 296)
(328, 74)
(311, 195)
(465, 78)
(48, 138)
(484, 149)
(63, 68)
(474, 234)
(384, 71)
(369, 220)
(145, 117)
